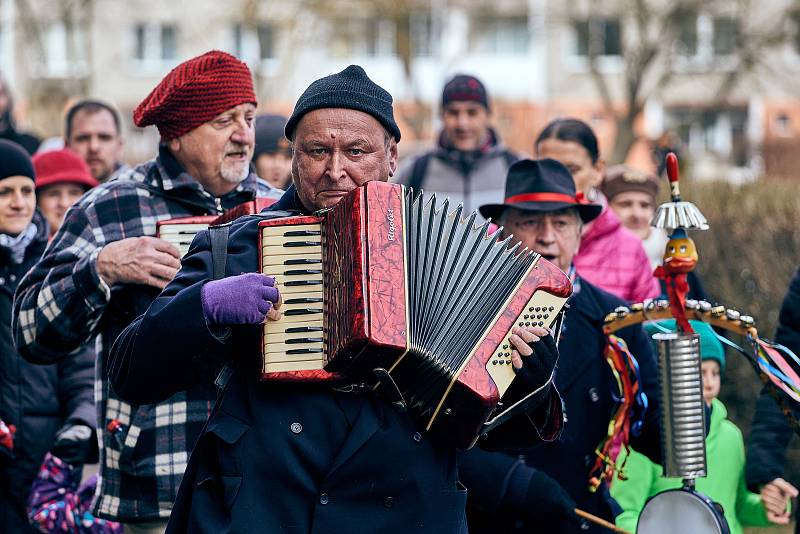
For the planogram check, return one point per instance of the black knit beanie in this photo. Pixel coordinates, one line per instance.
(351, 89)
(465, 88)
(14, 161)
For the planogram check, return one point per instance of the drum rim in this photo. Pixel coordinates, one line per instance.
(707, 502)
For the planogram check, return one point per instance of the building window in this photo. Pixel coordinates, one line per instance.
(783, 125)
(424, 34)
(257, 43)
(155, 43)
(686, 43)
(794, 21)
(64, 51)
(370, 37)
(169, 44)
(500, 34)
(266, 41)
(717, 131)
(598, 37)
(725, 36)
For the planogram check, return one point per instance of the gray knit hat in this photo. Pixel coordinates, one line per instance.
(351, 89)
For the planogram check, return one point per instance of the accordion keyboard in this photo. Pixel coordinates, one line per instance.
(293, 255)
(180, 235)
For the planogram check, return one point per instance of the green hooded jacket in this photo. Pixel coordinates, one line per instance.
(724, 483)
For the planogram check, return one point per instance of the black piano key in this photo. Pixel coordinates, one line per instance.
(304, 351)
(301, 233)
(303, 311)
(303, 300)
(292, 244)
(301, 272)
(303, 329)
(299, 340)
(301, 261)
(290, 283)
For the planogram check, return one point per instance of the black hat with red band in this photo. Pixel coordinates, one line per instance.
(541, 185)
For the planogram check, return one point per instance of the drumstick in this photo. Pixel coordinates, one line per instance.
(600, 521)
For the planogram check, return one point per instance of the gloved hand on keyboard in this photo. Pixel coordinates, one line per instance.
(238, 300)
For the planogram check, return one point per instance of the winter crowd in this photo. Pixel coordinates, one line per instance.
(116, 350)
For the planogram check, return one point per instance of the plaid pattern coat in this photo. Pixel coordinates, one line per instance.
(62, 304)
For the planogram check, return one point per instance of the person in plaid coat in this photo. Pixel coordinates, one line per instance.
(104, 267)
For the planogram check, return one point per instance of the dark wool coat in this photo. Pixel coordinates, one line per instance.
(291, 458)
(771, 433)
(585, 382)
(37, 399)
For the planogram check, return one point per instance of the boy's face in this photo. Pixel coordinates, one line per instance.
(711, 380)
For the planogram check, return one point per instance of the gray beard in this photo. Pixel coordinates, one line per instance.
(232, 177)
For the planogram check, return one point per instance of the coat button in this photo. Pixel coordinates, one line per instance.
(594, 396)
(296, 428)
(388, 502)
(323, 498)
(417, 437)
(587, 460)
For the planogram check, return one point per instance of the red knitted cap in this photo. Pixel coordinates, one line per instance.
(195, 92)
(62, 166)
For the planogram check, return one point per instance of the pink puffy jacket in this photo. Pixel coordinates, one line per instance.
(613, 258)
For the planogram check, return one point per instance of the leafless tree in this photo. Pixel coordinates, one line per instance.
(652, 37)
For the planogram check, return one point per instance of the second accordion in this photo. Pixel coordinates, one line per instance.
(386, 286)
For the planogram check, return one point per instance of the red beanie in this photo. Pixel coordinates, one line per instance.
(195, 92)
(62, 167)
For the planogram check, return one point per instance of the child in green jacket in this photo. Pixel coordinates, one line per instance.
(724, 482)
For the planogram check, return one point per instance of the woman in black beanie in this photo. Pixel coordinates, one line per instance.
(37, 400)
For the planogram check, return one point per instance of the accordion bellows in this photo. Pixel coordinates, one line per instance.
(392, 285)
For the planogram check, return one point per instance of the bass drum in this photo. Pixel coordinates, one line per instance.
(681, 511)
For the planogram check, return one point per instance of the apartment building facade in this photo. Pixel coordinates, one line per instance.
(539, 59)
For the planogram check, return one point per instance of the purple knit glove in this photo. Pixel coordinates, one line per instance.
(243, 299)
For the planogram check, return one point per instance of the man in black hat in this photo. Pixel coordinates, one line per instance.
(538, 490)
(470, 161)
(303, 457)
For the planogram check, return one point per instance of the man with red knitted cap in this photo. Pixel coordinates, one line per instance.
(105, 266)
(470, 163)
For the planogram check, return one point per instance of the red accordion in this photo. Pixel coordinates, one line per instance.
(385, 284)
(181, 230)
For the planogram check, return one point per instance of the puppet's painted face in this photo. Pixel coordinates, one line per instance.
(680, 255)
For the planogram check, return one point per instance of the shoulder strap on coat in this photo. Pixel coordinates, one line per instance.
(418, 171)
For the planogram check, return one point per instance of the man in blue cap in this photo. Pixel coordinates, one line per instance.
(303, 457)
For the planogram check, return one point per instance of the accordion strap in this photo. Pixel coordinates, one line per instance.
(218, 236)
(219, 249)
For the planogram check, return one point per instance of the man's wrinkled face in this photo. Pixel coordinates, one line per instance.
(54, 201)
(95, 138)
(711, 380)
(217, 153)
(465, 124)
(555, 235)
(337, 150)
(17, 202)
(635, 209)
